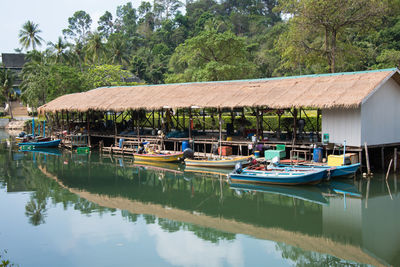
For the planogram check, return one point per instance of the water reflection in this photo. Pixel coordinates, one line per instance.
(336, 223)
(35, 209)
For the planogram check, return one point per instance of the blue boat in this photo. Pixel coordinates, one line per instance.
(282, 177)
(53, 143)
(331, 171)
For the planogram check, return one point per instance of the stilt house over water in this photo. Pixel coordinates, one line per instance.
(356, 106)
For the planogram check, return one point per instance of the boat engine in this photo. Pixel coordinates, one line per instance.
(188, 153)
(238, 168)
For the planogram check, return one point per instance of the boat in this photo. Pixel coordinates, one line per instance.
(307, 193)
(218, 162)
(36, 144)
(331, 171)
(285, 176)
(159, 157)
(30, 138)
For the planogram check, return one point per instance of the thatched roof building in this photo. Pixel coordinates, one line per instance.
(357, 106)
(339, 90)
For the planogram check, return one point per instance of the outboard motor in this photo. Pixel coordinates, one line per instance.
(275, 161)
(188, 153)
(238, 168)
(21, 134)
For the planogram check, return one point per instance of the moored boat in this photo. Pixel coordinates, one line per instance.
(331, 171)
(278, 176)
(36, 143)
(159, 157)
(218, 162)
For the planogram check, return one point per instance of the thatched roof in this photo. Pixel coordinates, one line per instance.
(339, 90)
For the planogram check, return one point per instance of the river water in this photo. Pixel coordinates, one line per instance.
(65, 209)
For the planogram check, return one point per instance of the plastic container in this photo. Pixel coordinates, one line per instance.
(257, 154)
(317, 154)
(121, 142)
(185, 144)
(225, 150)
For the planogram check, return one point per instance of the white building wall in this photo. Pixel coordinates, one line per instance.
(380, 115)
(342, 124)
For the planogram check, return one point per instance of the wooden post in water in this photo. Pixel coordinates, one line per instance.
(383, 158)
(388, 171)
(367, 159)
(395, 159)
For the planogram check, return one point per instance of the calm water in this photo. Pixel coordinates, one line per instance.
(63, 209)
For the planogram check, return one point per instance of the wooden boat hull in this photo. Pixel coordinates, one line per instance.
(278, 177)
(218, 163)
(175, 157)
(53, 143)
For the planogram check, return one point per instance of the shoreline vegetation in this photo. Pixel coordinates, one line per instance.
(167, 41)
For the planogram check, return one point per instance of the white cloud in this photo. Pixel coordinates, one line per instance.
(183, 248)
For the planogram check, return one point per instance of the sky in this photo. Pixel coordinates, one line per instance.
(51, 15)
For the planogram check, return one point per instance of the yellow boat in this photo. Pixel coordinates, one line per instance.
(219, 162)
(162, 157)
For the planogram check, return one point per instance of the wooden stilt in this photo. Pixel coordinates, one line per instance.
(115, 128)
(88, 127)
(190, 123)
(383, 158)
(395, 159)
(367, 159)
(388, 171)
(204, 120)
(258, 123)
(220, 131)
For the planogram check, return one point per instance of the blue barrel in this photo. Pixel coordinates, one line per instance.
(185, 144)
(317, 154)
(257, 154)
(121, 141)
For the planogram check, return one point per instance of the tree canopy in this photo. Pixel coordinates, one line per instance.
(202, 40)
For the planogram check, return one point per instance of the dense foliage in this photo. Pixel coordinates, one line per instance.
(169, 41)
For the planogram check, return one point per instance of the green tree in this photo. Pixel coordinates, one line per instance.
(117, 51)
(59, 48)
(29, 35)
(106, 75)
(43, 80)
(211, 56)
(316, 26)
(106, 25)
(78, 26)
(94, 47)
(7, 78)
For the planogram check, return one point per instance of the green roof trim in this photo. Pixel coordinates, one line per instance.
(265, 79)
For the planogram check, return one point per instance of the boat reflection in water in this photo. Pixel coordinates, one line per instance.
(341, 222)
(312, 194)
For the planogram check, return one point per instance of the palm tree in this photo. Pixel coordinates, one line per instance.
(28, 35)
(95, 46)
(7, 78)
(59, 48)
(117, 51)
